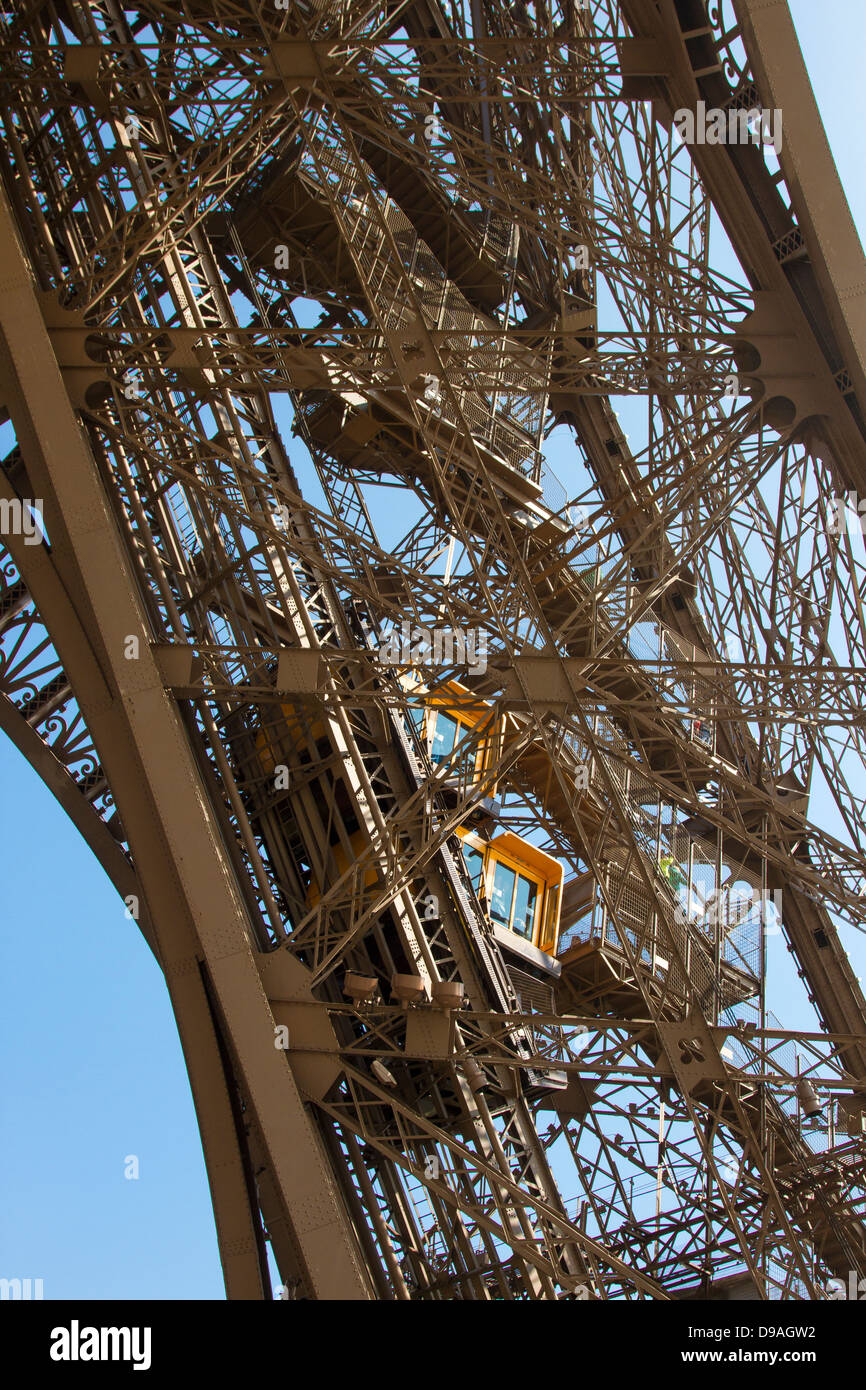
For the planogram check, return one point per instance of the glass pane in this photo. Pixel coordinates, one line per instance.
(444, 734)
(475, 864)
(503, 892)
(524, 907)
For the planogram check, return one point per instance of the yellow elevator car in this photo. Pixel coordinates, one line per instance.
(518, 885)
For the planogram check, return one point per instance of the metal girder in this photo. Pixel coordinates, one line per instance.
(460, 324)
(198, 916)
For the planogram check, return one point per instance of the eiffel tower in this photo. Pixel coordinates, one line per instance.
(455, 751)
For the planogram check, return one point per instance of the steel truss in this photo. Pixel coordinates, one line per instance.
(491, 210)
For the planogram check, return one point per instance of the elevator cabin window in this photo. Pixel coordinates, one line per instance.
(512, 900)
(475, 864)
(444, 734)
(512, 893)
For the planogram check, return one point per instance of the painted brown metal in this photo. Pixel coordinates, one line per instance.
(253, 770)
(197, 913)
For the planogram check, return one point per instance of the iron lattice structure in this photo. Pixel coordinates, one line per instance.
(300, 307)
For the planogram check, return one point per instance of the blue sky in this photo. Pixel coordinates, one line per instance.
(93, 1065)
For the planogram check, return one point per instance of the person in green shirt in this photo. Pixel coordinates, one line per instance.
(671, 871)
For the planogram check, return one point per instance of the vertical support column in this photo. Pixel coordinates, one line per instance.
(196, 908)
